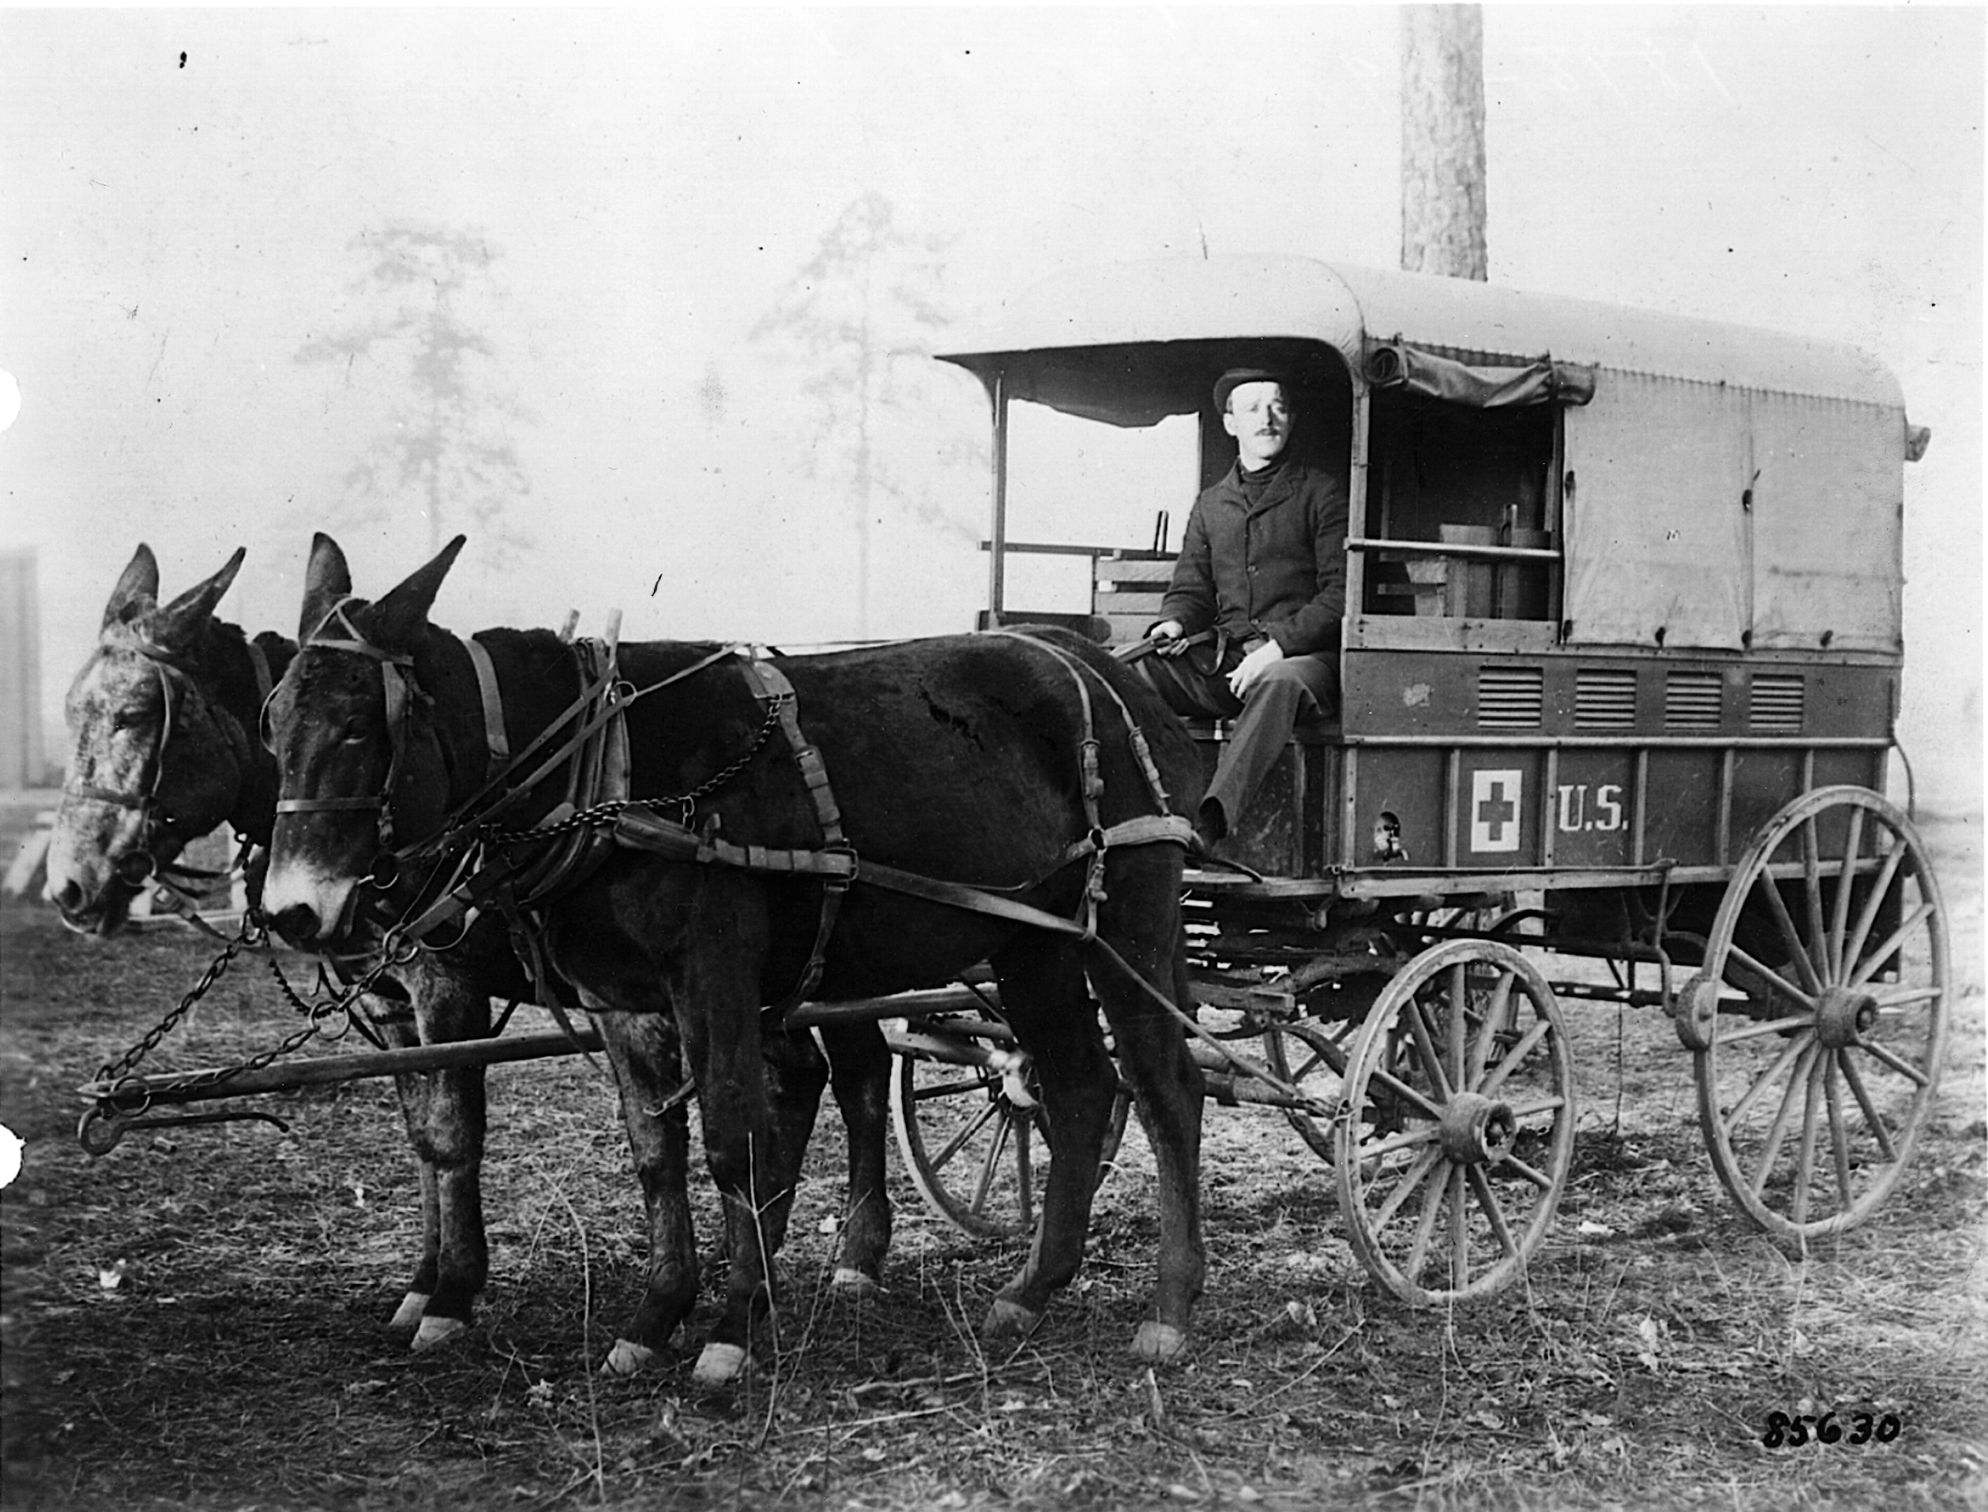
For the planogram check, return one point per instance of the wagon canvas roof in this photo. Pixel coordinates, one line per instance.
(1235, 298)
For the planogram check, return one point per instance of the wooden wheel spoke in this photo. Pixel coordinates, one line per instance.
(1867, 916)
(1906, 997)
(950, 1088)
(1765, 1027)
(1790, 936)
(1875, 962)
(1405, 1188)
(1415, 1099)
(1773, 979)
(974, 1125)
(1839, 1137)
(1316, 1060)
(1425, 1047)
(1396, 1142)
(1777, 1132)
(1487, 1202)
(1523, 1111)
(1805, 1147)
(1529, 1171)
(1903, 1067)
(1487, 1032)
(1459, 1233)
(1812, 896)
(1458, 1026)
(1515, 1056)
(1879, 1130)
(1839, 926)
(990, 1166)
(1425, 1229)
(1763, 1082)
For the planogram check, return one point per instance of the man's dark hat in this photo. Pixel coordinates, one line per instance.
(1234, 378)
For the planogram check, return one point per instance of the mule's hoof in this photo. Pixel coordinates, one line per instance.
(1008, 1319)
(435, 1332)
(627, 1358)
(719, 1365)
(851, 1282)
(407, 1317)
(1158, 1343)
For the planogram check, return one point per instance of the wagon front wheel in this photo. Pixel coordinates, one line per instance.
(971, 1126)
(1818, 1022)
(1458, 1128)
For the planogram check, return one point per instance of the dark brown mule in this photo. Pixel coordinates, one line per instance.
(163, 748)
(957, 758)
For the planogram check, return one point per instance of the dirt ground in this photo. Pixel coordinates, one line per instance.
(196, 1319)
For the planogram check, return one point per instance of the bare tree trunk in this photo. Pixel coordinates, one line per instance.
(1442, 140)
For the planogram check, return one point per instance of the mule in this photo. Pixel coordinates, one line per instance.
(162, 720)
(960, 759)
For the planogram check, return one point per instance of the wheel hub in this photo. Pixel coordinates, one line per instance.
(1844, 1016)
(1476, 1129)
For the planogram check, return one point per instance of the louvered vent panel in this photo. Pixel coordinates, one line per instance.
(1510, 698)
(1775, 705)
(1605, 701)
(1691, 700)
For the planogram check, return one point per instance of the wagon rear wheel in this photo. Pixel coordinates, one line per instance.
(1819, 1019)
(970, 1123)
(1459, 1123)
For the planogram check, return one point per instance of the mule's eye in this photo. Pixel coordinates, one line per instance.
(128, 718)
(354, 733)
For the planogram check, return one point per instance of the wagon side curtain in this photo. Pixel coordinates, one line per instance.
(1828, 523)
(1396, 364)
(1656, 538)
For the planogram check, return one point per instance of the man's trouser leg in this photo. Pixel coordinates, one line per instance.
(1297, 685)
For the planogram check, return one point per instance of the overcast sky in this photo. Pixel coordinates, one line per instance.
(177, 231)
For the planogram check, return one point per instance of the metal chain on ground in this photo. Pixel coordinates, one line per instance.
(601, 812)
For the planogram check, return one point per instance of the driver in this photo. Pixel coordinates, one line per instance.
(1263, 567)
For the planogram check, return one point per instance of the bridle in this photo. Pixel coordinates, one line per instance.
(397, 679)
(136, 867)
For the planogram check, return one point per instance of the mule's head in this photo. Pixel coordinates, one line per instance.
(154, 759)
(359, 760)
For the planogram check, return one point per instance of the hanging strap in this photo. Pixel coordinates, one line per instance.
(772, 684)
(493, 702)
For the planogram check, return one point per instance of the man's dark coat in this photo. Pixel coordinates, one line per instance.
(1273, 570)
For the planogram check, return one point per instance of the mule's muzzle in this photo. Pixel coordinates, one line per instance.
(300, 925)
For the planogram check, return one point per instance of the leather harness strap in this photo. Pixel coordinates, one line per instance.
(493, 702)
(772, 684)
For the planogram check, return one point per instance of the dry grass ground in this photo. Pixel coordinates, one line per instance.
(195, 1319)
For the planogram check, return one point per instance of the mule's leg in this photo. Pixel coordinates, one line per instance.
(715, 985)
(796, 1071)
(393, 1020)
(448, 1139)
(643, 1050)
(859, 1067)
(1043, 997)
(1141, 920)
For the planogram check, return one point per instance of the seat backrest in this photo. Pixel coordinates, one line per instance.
(1126, 590)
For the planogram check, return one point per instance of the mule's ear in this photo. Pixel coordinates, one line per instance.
(180, 621)
(137, 588)
(326, 580)
(396, 619)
